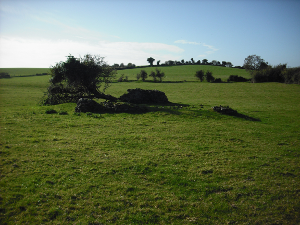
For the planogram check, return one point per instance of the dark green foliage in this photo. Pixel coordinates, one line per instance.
(50, 111)
(270, 74)
(292, 75)
(78, 78)
(160, 75)
(143, 75)
(4, 75)
(153, 75)
(209, 77)
(123, 78)
(254, 62)
(200, 75)
(151, 60)
(236, 78)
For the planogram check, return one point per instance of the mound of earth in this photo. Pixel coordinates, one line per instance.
(141, 96)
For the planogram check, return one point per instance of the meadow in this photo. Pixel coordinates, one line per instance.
(183, 164)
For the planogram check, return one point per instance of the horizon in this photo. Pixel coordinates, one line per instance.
(36, 34)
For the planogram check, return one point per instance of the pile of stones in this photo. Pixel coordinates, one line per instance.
(140, 96)
(224, 110)
(89, 105)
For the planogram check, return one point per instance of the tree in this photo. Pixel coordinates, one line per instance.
(160, 75)
(192, 59)
(223, 63)
(209, 77)
(144, 75)
(151, 60)
(204, 61)
(158, 62)
(182, 61)
(76, 78)
(153, 75)
(200, 75)
(254, 62)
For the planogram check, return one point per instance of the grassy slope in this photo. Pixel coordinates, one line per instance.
(188, 165)
(181, 73)
(24, 71)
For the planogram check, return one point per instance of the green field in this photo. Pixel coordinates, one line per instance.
(171, 165)
(20, 72)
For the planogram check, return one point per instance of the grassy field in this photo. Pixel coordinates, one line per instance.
(171, 165)
(23, 72)
(186, 73)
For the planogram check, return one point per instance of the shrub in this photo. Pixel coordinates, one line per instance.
(236, 78)
(292, 75)
(160, 74)
(218, 80)
(153, 75)
(138, 76)
(144, 75)
(200, 75)
(4, 75)
(270, 74)
(209, 77)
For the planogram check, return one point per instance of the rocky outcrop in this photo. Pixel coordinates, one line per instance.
(140, 96)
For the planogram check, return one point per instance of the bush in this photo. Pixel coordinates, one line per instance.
(160, 74)
(292, 75)
(270, 74)
(209, 77)
(4, 75)
(144, 75)
(200, 75)
(77, 78)
(236, 78)
(153, 75)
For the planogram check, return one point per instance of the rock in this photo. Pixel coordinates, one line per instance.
(87, 105)
(224, 109)
(140, 96)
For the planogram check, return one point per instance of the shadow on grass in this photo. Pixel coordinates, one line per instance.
(242, 116)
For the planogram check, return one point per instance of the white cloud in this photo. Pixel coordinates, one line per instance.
(22, 52)
(186, 42)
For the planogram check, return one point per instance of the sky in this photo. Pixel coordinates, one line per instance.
(41, 33)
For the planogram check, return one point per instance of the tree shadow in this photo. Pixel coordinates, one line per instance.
(242, 116)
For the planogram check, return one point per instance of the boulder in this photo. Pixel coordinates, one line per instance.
(140, 96)
(224, 110)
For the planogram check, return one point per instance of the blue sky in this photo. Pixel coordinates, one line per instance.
(40, 33)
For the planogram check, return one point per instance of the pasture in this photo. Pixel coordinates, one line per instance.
(171, 165)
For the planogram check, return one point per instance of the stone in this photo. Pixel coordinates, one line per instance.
(141, 96)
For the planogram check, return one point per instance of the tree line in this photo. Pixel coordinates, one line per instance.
(262, 72)
(190, 62)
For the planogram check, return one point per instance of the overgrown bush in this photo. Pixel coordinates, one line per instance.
(123, 78)
(270, 74)
(77, 78)
(209, 77)
(143, 75)
(200, 75)
(153, 75)
(236, 78)
(292, 75)
(4, 75)
(160, 75)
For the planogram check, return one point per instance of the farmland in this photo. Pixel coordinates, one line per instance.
(171, 165)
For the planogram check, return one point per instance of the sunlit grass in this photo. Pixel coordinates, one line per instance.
(171, 165)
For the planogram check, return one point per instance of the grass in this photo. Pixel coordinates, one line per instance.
(186, 73)
(23, 72)
(172, 165)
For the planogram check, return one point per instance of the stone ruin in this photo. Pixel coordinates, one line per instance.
(224, 110)
(140, 96)
(89, 105)
(134, 96)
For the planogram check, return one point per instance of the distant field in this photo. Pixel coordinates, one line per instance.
(19, 72)
(173, 73)
(186, 72)
(171, 165)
